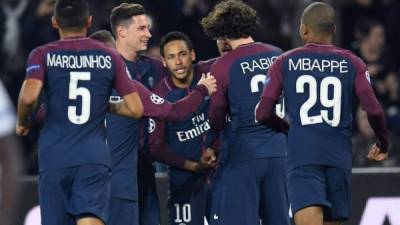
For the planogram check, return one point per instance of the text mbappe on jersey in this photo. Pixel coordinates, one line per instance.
(321, 65)
(257, 64)
(78, 61)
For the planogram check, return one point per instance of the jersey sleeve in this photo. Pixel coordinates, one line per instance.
(35, 66)
(369, 103)
(219, 102)
(157, 107)
(274, 82)
(362, 80)
(158, 147)
(123, 83)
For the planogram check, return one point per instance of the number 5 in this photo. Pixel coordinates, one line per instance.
(74, 92)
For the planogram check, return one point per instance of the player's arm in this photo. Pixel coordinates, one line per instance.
(27, 100)
(132, 105)
(270, 96)
(219, 102)
(30, 91)
(159, 108)
(160, 151)
(375, 114)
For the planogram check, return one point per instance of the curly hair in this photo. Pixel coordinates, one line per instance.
(231, 19)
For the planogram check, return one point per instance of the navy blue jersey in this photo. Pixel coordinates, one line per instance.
(123, 134)
(78, 76)
(173, 143)
(240, 76)
(319, 83)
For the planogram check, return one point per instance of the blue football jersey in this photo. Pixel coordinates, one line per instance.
(123, 134)
(240, 76)
(78, 75)
(319, 84)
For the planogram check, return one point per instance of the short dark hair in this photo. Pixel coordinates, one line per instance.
(320, 17)
(231, 19)
(123, 13)
(175, 36)
(71, 13)
(103, 36)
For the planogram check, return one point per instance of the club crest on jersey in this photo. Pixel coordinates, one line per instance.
(367, 76)
(152, 126)
(156, 99)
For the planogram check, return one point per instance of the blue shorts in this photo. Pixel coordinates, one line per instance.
(324, 186)
(187, 203)
(123, 212)
(251, 191)
(68, 194)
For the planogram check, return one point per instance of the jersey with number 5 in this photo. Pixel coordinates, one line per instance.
(319, 84)
(240, 76)
(78, 75)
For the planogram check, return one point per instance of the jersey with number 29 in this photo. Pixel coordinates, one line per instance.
(319, 84)
(78, 75)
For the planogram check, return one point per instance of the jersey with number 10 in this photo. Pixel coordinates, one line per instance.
(319, 84)
(78, 76)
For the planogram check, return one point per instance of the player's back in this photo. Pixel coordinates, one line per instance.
(318, 83)
(246, 68)
(79, 74)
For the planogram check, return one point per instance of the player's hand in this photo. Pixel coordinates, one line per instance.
(210, 82)
(21, 130)
(208, 158)
(376, 154)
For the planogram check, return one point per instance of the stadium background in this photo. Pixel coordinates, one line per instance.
(370, 28)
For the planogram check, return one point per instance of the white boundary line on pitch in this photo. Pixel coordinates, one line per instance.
(363, 170)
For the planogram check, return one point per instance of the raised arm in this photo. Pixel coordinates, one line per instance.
(157, 107)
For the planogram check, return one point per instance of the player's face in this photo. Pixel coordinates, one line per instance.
(223, 46)
(138, 33)
(178, 59)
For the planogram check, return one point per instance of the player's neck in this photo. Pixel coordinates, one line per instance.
(183, 83)
(125, 51)
(319, 40)
(72, 33)
(235, 43)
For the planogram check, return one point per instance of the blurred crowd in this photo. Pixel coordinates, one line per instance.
(367, 27)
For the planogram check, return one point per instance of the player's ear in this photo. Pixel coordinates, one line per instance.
(163, 62)
(193, 55)
(303, 30)
(334, 29)
(121, 31)
(54, 22)
(89, 22)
